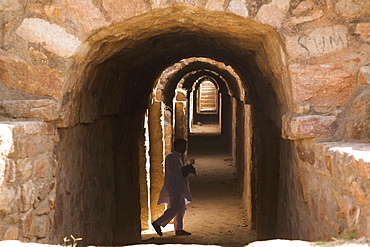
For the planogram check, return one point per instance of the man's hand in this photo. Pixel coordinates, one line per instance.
(191, 161)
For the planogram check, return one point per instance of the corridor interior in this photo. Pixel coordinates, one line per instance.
(216, 216)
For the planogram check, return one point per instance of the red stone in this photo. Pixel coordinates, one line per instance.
(320, 85)
(42, 164)
(121, 10)
(18, 74)
(87, 14)
(311, 126)
(303, 7)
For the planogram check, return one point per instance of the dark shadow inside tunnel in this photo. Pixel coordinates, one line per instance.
(104, 153)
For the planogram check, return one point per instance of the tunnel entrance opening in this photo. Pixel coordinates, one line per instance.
(205, 107)
(108, 101)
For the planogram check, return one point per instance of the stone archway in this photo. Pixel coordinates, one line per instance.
(109, 92)
(169, 117)
(76, 78)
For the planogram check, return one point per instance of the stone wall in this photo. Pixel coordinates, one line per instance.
(85, 188)
(304, 60)
(329, 198)
(28, 180)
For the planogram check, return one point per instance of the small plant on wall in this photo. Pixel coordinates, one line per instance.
(70, 242)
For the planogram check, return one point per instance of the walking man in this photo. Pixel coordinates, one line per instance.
(175, 191)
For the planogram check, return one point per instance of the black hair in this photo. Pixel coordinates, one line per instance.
(178, 142)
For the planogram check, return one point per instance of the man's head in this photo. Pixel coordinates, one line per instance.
(180, 145)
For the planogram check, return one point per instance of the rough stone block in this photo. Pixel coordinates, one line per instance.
(27, 196)
(215, 5)
(25, 148)
(303, 7)
(9, 5)
(37, 127)
(45, 109)
(25, 169)
(43, 208)
(238, 7)
(28, 226)
(55, 10)
(52, 37)
(321, 85)
(43, 167)
(359, 190)
(351, 210)
(33, 79)
(42, 224)
(363, 29)
(311, 126)
(363, 166)
(47, 113)
(320, 41)
(12, 233)
(121, 10)
(181, 95)
(87, 14)
(267, 11)
(7, 196)
(364, 75)
(36, 8)
(6, 140)
(299, 20)
(352, 8)
(10, 171)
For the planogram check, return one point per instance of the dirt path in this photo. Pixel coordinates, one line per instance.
(216, 216)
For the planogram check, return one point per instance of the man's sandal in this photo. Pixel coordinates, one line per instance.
(182, 233)
(157, 228)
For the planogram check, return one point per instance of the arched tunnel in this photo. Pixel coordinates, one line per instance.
(111, 90)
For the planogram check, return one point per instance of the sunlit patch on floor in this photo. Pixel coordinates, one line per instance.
(168, 228)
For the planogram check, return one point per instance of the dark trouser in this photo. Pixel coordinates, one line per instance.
(176, 210)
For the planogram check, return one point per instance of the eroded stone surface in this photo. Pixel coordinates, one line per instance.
(364, 75)
(321, 85)
(45, 109)
(303, 7)
(119, 11)
(318, 42)
(238, 7)
(355, 119)
(28, 177)
(363, 29)
(312, 126)
(9, 5)
(20, 75)
(327, 57)
(351, 8)
(277, 8)
(52, 37)
(90, 17)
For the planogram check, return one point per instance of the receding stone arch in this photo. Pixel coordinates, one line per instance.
(182, 74)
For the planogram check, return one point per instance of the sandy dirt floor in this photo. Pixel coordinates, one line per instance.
(216, 215)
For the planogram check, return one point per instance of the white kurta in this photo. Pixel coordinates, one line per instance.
(174, 182)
